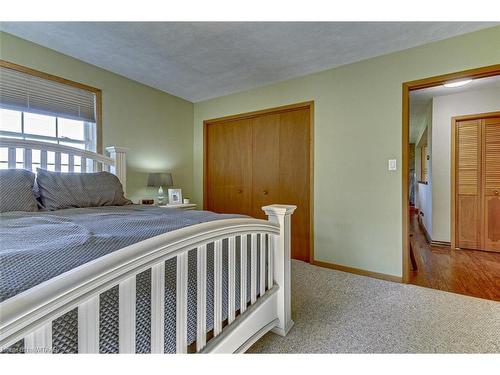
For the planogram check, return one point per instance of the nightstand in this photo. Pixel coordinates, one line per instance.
(181, 206)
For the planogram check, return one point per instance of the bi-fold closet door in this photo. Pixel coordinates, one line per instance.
(258, 160)
(491, 178)
(477, 183)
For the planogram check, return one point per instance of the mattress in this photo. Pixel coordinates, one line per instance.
(37, 246)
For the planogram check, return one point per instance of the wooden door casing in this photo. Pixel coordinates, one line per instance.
(279, 171)
(406, 89)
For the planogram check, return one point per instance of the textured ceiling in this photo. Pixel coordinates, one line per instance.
(420, 101)
(202, 60)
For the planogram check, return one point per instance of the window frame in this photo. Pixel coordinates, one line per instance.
(47, 76)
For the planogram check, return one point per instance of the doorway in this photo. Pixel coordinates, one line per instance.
(431, 257)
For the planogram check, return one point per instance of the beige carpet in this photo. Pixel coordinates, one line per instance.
(337, 312)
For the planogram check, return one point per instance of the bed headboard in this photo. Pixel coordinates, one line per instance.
(28, 154)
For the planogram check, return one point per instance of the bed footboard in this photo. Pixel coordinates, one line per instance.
(249, 260)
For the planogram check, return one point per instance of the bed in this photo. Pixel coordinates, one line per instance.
(137, 279)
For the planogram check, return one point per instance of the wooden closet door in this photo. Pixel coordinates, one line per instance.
(491, 178)
(265, 162)
(261, 160)
(229, 175)
(294, 176)
(468, 170)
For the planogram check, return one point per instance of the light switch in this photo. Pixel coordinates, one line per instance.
(392, 165)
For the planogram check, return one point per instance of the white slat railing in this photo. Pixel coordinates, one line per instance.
(126, 320)
(270, 275)
(43, 159)
(11, 154)
(61, 158)
(201, 297)
(88, 326)
(71, 163)
(158, 308)
(39, 341)
(83, 164)
(121, 268)
(181, 303)
(243, 274)
(57, 161)
(27, 159)
(253, 268)
(262, 267)
(231, 280)
(217, 287)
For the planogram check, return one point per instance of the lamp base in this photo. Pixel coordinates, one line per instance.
(161, 197)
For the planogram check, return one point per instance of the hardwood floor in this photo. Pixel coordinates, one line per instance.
(470, 272)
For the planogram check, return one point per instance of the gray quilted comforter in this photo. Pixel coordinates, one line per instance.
(37, 246)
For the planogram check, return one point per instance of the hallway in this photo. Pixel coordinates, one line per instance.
(470, 272)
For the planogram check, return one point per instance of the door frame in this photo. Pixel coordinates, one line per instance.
(487, 71)
(247, 115)
(454, 121)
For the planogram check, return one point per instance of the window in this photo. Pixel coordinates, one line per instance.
(38, 106)
(33, 126)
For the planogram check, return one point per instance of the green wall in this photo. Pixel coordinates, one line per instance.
(357, 129)
(357, 201)
(156, 126)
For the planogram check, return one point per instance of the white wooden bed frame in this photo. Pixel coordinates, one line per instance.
(29, 315)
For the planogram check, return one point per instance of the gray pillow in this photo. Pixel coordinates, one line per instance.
(16, 190)
(66, 190)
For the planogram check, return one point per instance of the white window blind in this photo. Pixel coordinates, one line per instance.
(23, 92)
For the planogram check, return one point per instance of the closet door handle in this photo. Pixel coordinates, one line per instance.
(495, 191)
(240, 191)
(264, 192)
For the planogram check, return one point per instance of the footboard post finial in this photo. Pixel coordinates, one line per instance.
(119, 155)
(281, 215)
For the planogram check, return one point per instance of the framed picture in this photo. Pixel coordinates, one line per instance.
(174, 196)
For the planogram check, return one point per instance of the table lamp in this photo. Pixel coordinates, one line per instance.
(160, 180)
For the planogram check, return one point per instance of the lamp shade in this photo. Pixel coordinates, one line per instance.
(160, 179)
